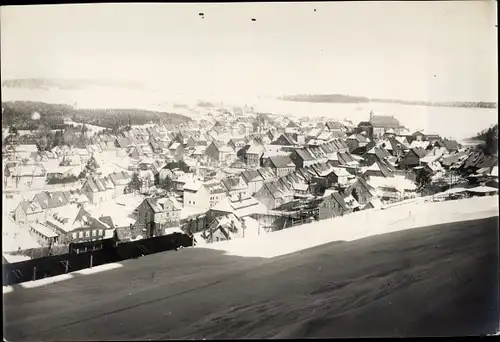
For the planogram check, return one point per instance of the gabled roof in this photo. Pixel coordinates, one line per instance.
(292, 124)
(450, 144)
(162, 204)
(337, 198)
(234, 183)
(266, 173)
(251, 176)
(215, 188)
(334, 125)
(49, 200)
(30, 207)
(304, 154)
(363, 183)
(281, 161)
(384, 121)
(419, 151)
(288, 138)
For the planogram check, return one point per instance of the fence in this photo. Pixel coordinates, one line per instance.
(111, 252)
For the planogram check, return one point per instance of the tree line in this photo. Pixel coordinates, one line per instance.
(19, 114)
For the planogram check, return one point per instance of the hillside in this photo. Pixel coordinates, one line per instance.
(340, 98)
(18, 113)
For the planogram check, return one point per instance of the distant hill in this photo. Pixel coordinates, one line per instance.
(340, 98)
(67, 84)
(19, 114)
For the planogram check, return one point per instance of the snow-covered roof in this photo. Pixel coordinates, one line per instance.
(483, 189)
(44, 230)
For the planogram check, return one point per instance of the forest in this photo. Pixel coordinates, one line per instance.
(490, 137)
(19, 114)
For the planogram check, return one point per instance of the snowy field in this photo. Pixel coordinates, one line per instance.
(360, 225)
(417, 282)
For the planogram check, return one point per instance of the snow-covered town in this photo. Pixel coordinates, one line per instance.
(249, 170)
(230, 174)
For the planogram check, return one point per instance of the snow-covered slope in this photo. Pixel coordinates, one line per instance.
(360, 225)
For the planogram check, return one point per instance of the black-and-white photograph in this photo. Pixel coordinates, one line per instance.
(249, 170)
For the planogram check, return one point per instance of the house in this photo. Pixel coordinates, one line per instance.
(74, 224)
(344, 159)
(254, 154)
(292, 127)
(43, 234)
(418, 136)
(281, 165)
(333, 126)
(361, 191)
(196, 195)
(451, 145)
(382, 123)
(272, 196)
(236, 143)
(219, 152)
(327, 175)
(333, 205)
(176, 149)
(267, 174)
(76, 197)
(156, 214)
(298, 185)
(240, 208)
(285, 139)
(355, 141)
(393, 146)
(374, 154)
(253, 179)
(95, 190)
(29, 211)
(352, 204)
(413, 157)
(120, 181)
(199, 154)
(302, 157)
(237, 188)
(217, 192)
(365, 127)
(123, 142)
(378, 169)
(223, 228)
(49, 201)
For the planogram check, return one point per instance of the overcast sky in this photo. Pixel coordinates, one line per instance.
(429, 50)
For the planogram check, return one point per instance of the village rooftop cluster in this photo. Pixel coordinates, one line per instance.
(226, 175)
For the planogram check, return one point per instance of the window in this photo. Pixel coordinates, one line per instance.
(194, 202)
(87, 233)
(74, 235)
(101, 232)
(94, 232)
(80, 235)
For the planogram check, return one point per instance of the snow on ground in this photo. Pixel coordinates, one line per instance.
(119, 209)
(63, 277)
(15, 236)
(360, 225)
